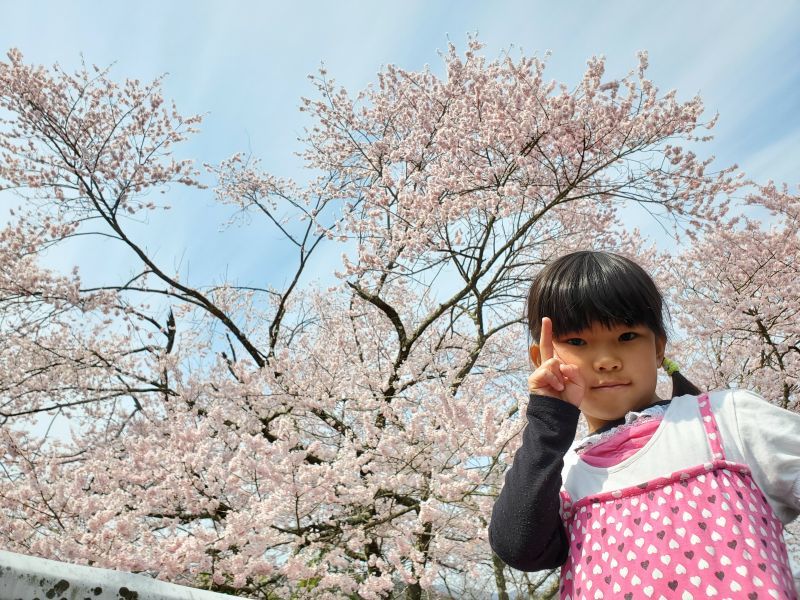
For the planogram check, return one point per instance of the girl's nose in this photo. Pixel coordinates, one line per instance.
(607, 363)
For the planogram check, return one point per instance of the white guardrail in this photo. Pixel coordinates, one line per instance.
(29, 578)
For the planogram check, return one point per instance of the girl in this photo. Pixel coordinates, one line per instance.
(683, 498)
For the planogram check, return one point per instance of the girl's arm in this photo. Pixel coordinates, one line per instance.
(769, 439)
(525, 530)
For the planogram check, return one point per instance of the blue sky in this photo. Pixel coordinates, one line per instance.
(245, 64)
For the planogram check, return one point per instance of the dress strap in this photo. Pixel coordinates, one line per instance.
(566, 505)
(711, 428)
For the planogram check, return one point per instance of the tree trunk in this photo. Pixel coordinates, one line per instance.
(499, 577)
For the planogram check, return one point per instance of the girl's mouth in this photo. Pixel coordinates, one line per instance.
(610, 386)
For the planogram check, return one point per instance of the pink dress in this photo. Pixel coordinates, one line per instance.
(702, 532)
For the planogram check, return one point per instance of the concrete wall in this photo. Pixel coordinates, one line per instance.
(28, 578)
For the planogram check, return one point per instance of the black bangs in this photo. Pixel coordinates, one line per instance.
(583, 288)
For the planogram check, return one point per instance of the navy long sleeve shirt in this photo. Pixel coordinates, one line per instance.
(526, 530)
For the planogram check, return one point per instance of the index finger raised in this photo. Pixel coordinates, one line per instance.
(546, 339)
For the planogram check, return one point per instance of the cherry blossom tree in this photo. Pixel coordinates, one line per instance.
(305, 441)
(738, 290)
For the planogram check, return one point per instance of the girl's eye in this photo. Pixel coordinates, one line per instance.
(575, 342)
(628, 335)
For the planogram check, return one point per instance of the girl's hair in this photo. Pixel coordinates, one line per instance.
(586, 287)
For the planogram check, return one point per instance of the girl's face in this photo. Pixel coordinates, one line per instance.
(619, 366)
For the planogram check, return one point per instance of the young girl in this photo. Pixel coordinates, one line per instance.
(683, 498)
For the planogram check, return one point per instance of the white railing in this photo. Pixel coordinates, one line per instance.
(26, 577)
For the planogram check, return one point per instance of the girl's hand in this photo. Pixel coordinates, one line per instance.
(553, 377)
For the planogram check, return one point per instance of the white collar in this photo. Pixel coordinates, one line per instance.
(651, 412)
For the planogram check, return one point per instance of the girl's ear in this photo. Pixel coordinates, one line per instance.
(661, 344)
(535, 354)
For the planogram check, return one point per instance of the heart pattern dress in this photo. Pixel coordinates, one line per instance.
(703, 532)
